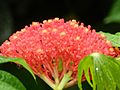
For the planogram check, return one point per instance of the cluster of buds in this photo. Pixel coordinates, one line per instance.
(54, 48)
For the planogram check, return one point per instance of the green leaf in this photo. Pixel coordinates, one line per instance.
(113, 38)
(10, 82)
(18, 61)
(104, 71)
(83, 66)
(114, 14)
(60, 65)
(118, 34)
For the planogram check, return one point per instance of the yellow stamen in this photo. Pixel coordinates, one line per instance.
(7, 42)
(72, 23)
(54, 29)
(86, 30)
(56, 18)
(50, 20)
(39, 50)
(102, 35)
(76, 25)
(108, 42)
(111, 49)
(34, 23)
(14, 36)
(62, 33)
(23, 30)
(73, 20)
(44, 31)
(44, 21)
(77, 38)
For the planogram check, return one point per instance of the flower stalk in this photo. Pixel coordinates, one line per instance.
(48, 81)
(66, 78)
(58, 85)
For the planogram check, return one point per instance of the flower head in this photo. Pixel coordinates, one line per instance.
(54, 47)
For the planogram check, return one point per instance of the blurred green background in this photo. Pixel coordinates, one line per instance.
(102, 15)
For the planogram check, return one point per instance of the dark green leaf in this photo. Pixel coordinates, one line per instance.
(83, 67)
(10, 82)
(104, 70)
(114, 14)
(104, 77)
(113, 38)
(18, 61)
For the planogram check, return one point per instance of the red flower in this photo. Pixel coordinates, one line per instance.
(55, 47)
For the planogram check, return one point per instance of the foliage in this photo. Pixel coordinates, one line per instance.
(113, 38)
(114, 14)
(10, 82)
(103, 69)
(7, 80)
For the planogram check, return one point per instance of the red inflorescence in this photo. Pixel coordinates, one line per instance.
(55, 44)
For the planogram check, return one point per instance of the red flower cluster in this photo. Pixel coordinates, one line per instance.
(55, 47)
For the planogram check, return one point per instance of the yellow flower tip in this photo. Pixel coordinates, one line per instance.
(102, 35)
(77, 38)
(111, 49)
(14, 37)
(39, 51)
(50, 20)
(76, 25)
(108, 42)
(56, 19)
(18, 32)
(34, 23)
(74, 20)
(7, 42)
(62, 34)
(23, 30)
(44, 21)
(44, 31)
(72, 23)
(86, 30)
(54, 29)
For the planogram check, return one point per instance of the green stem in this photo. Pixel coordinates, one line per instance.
(64, 81)
(56, 76)
(48, 81)
(71, 83)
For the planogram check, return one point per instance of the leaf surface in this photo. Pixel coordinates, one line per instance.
(114, 14)
(113, 38)
(104, 71)
(18, 61)
(10, 82)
